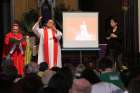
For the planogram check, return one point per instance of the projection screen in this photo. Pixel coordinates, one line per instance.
(80, 30)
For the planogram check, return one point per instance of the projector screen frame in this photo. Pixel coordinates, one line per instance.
(96, 14)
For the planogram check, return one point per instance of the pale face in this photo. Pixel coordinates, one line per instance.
(15, 28)
(50, 23)
(113, 23)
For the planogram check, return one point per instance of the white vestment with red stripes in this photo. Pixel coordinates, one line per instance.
(53, 53)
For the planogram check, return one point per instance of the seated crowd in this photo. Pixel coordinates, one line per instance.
(69, 79)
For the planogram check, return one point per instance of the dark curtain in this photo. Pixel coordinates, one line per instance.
(5, 22)
(128, 22)
(131, 33)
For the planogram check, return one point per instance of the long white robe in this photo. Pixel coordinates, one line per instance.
(40, 34)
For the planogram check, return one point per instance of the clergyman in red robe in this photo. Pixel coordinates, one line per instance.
(14, 45)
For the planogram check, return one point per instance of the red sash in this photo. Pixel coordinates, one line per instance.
(46, 48)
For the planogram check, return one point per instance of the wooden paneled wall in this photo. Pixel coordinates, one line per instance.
(18, 7)
(68, 4)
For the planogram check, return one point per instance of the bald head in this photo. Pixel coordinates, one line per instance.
(81, 86)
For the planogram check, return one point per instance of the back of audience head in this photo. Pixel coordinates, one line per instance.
(5, 83)
(70, 66)
(56, 69)
(105, 63)
(125, 78)
(79, 69)
(134, 86)
(91, 76)
(90, 65)
(7, 76)
(43, 66)
(61, 82)
(31, 68)
(31, 83)
(135, 72)
(80, 85)
(47, 75)
(9, 69)
(65, 70)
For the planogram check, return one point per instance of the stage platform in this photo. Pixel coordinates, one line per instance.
(77, 56)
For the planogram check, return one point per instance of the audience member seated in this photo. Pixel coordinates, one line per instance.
(61, 82)
(99, 86)
(70, 66)
(107, 74)
(8, 74)
(31, 83)
(79, 69)
(40, 79)
(42, 68)
(56, 69)
(9, 69)
(46, 76)
(90, 75)
(125, 77)
(80, 85)
(134, 86)
(5, 83)
(104, 87)
(31, 68)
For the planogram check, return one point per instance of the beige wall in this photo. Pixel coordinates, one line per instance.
(21, 6)
(139, 21)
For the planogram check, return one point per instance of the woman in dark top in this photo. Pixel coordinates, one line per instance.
(113, 39)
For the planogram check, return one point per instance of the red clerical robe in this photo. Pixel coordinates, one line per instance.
(15, 50)
(49, 46)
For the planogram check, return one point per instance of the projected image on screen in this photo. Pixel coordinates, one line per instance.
(83, 34)
(80, 30)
